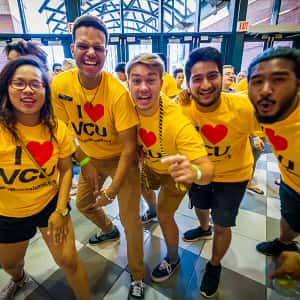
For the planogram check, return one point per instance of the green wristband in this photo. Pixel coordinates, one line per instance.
(298, 256)
(198, 172)
(84, 161)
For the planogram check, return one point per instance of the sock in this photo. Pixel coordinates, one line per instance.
(172, 254)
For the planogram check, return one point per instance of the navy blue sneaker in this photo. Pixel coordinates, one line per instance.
(198, 233)
(275, 247)
(103, 237)
(147, 217)
(136, 290)
(164, 270)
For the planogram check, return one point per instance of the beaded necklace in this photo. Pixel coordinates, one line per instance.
(85, 96)
(144, 178)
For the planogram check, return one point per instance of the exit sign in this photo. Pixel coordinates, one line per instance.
(243, 26)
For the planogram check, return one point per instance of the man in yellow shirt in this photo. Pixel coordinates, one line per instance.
(173, 151)
(99, 109)
(169, 87)
(274, 85)
(225, 121)
(228, 83)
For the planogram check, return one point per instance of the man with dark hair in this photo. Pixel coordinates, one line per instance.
(57, 68)
(120, 70)
(274, 82)
(100, 112)
(225, 122)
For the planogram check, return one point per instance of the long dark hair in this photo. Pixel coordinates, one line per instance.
(7, 114)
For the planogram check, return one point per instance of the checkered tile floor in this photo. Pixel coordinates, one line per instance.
(244, 275)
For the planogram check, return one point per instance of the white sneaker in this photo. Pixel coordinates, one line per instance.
(9, 291)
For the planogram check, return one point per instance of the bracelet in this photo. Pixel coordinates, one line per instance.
(106, 196)
(298, 256)
(198, 172)
(85, 161)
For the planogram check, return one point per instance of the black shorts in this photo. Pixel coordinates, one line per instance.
(290, 206)
(223, 198)
(13, 230)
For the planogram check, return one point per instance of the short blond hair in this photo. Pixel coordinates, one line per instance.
(150, 60)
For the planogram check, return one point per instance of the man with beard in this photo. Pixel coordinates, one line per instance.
(274, 81)
(100, 112)
(225, 122)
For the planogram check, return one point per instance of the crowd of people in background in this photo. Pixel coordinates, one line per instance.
(200, 131)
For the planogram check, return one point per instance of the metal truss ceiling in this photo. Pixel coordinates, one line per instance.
(138, 15)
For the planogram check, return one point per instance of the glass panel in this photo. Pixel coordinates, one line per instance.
(111, 58)
(181, 17)
(55, 54)
(289, 12)
(37, 22)
(251, 50)
(216, 21)
(177, 55)
(259, 12)
(216, 45)
(135, 49)
(283, 43)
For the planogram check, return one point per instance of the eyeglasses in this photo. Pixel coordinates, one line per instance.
(21, 85)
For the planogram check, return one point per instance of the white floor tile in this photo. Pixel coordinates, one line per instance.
(241, 257)
(251, 225)
(273, 208)
(272, 166)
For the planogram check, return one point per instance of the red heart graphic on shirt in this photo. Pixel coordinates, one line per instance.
(214, 134)
(279, 142)
(95, 112)
(148, 138)
(40, 152)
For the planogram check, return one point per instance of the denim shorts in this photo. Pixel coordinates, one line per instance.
(223, 198)
(290, 206)
(13, 230)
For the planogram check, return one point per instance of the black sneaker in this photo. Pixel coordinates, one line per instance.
(103, 237)
(147, 217)
(164, 270)
(136, 289)
(198, 233)
(275, 247)
(210, 281)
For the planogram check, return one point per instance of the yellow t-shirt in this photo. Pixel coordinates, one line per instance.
(23, 189)
(225, 132)
(96, 125)
(169, 87)
(242, 86)
(178, 136)
(284, 138)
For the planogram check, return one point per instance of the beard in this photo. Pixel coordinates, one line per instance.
(281, 112)
(213, 101)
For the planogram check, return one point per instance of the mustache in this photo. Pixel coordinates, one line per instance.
(265, 101)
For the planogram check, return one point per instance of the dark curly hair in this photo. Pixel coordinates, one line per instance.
(28, 48)
(7, 114)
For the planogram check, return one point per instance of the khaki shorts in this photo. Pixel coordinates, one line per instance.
(169, 197)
